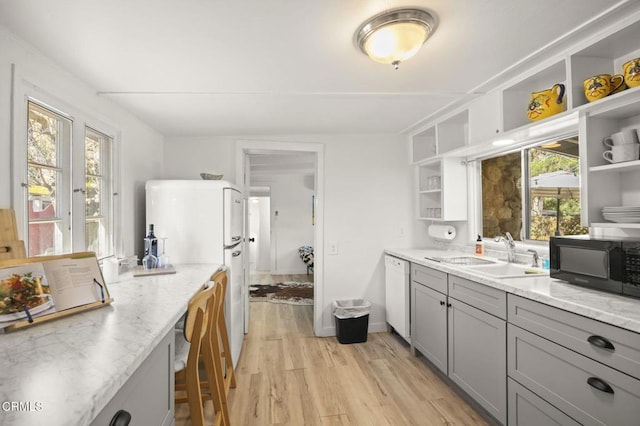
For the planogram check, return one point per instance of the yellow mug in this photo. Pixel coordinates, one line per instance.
(632, 72)
(546, 103)
(597, 87)
(617, 84)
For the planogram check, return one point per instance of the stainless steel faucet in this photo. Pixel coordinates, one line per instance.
(510, 244)
(535, 262)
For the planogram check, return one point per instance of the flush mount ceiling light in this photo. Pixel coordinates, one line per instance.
(394, 36)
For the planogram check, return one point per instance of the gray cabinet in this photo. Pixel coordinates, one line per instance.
(458, 325)
(477, 346)
(148, 395)
(586, 390)
(586, 369)
(429, 317)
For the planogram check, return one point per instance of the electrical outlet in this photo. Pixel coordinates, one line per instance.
(332, 247)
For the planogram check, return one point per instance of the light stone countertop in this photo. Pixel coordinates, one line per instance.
(621, 311)
(68, 370)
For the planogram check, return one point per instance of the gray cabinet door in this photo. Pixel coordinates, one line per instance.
(477, 356)
(429, 324)
(148, 395)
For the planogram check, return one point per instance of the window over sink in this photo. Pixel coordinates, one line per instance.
(533, 193)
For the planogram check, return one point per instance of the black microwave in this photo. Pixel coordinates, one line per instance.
(611, 265)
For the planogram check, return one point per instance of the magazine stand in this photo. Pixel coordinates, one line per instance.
(75, 284)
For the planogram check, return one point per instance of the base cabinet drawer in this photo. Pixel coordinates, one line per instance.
(528, 409)
(587, 391)
(481, 296)
(433, 278)
(605, 343)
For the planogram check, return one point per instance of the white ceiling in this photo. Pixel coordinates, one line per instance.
(257, 67)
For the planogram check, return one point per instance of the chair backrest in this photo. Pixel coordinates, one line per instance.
(221, 277)
(198, 303)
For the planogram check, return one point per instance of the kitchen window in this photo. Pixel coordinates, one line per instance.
(533, 193)
(67, 202)
(98, 192)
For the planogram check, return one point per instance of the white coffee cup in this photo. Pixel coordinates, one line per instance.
(620, 153)
(624, 137)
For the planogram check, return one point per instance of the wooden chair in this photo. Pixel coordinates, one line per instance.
(221, 277)
(211, 358)
(190, 342)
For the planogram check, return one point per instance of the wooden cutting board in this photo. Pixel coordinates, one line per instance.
(12, 250)
(8, 228)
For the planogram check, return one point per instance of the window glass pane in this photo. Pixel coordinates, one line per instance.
(42, 193)
(97, 230)
(45, 238)
(93, 235)
(43, 135)
(93, 197)
(550, 181)
(47, 134)
(502, 196)
(554, 190)
(92, 154)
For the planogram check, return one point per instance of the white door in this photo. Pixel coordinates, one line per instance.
(246, 270)
(259, 240)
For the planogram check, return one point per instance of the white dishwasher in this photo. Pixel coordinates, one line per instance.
(397, 293)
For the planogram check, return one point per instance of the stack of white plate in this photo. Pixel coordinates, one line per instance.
(622, 214)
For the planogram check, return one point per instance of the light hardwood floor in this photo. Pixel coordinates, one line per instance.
(286, 376)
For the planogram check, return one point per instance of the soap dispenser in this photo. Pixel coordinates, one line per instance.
(479, 246)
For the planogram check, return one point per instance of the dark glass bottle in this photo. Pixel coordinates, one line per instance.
(154, 243)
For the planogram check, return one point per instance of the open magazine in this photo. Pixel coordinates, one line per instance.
(36, 289)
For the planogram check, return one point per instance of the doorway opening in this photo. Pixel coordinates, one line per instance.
(283, 193)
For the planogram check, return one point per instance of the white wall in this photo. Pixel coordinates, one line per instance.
(368, 203)
(140, 146)
(291, 225)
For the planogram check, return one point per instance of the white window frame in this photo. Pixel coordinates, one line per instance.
(25, 92)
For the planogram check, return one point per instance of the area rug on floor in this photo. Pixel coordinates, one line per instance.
(286, 292)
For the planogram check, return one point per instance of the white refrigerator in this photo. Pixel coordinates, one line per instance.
(202, 221)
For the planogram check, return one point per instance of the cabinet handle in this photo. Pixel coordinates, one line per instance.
(121, 418)
(448, 305)
(599, 384)
(442, 303)
(601, 342)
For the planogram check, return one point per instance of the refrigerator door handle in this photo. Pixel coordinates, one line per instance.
(236, 238)
(236, 253)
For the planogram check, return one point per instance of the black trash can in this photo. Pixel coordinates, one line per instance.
(352, 320)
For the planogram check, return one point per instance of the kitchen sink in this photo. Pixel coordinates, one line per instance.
(462, 260)
(508, 270)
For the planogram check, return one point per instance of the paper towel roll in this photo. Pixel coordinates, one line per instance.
(442, 232)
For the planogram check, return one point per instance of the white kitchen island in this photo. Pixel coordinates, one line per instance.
(65, 372)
